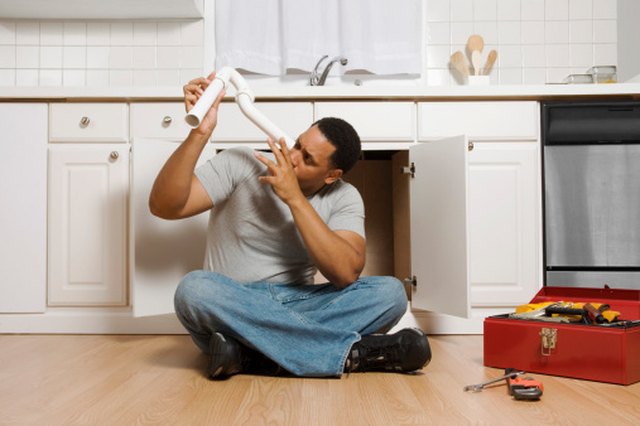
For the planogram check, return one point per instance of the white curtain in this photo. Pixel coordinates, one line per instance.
(271, 36)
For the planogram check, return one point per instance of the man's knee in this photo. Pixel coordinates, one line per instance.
(194, 288)
(389, 290)
(189, 286)
(397, 294)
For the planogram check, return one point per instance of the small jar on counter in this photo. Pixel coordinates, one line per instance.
(603, 74)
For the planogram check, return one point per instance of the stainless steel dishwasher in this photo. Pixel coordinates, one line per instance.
(591, 163)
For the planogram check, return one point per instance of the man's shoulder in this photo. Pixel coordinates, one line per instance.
(241, 152)
(343, 190)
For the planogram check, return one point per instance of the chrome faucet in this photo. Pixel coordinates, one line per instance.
(317, 79)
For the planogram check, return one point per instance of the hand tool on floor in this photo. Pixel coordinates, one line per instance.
(523, 388)
(480, 386)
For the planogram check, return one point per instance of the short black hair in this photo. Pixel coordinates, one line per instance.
(344, 137)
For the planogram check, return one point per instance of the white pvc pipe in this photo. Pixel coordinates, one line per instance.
(244, 99)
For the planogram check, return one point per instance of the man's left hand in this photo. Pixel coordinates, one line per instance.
(282, 177)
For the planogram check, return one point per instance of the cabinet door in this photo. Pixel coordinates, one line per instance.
(474, 225)
(504, 220)
(439, 234)
(88, 190)
(23, 185)
(162, 251)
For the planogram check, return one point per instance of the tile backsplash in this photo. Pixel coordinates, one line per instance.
(538, 41)
(100, 54)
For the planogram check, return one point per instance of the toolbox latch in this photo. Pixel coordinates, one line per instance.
(548, 340)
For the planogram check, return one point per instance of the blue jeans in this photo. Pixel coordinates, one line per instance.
(307, 329)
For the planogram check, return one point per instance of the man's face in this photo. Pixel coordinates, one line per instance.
(311, 159)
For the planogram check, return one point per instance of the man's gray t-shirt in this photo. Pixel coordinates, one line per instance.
(251, 234)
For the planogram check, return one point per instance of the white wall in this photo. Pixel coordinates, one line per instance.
(537, 41)
(628, 37)
(100, 54)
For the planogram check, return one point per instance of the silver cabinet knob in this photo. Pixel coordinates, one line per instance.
(84, 121)
(114, 155)
(166, 121)
(470, 146)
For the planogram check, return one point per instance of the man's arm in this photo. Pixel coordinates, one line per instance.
(339, 255)
(177, 192)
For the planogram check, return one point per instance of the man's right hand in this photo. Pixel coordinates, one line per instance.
(192, 92)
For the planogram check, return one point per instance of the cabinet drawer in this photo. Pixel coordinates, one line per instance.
(88, 123)
(159, 120)
(478, 120)
(374, 121)
(292, 117)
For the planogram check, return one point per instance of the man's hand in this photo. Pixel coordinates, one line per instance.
(282, 177)
(192, 92)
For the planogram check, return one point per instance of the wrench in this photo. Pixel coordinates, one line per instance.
(480, 386)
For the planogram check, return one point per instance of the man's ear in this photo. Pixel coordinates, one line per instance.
(332, 176)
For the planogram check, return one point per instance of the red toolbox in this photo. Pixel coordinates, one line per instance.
(583, 351)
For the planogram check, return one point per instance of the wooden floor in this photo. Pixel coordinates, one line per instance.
(121, 380)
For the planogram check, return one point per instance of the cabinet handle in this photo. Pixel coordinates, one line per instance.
(166, 121)
(84, 121)
(470, 146)
(114, 155)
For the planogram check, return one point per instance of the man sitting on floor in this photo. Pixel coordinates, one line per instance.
(275, 220)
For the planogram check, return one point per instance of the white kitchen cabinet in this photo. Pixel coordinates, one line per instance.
(161, 251)
(23, 185)
(87, 204)
(499, 215)
(88, 192)
(504, 223)
(374, 121)
(233, 126)
(475, 211)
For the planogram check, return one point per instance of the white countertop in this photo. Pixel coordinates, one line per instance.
(292, 93)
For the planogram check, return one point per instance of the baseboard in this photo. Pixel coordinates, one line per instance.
(122, 321)
(89, 321)
(434, 323)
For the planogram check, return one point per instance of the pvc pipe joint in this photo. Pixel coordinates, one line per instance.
(244, 99)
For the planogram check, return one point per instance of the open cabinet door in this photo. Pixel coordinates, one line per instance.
(162, 251)
(439, 232)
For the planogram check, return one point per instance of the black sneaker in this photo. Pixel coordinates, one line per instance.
(405, 351)
(227, 357)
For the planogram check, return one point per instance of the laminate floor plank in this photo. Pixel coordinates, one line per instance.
(121, 380)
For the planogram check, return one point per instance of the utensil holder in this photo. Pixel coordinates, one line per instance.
(479, 80)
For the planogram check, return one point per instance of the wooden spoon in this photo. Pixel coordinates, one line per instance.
(476, 60)
(475, 42)
(491, 59)
(459, 63)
